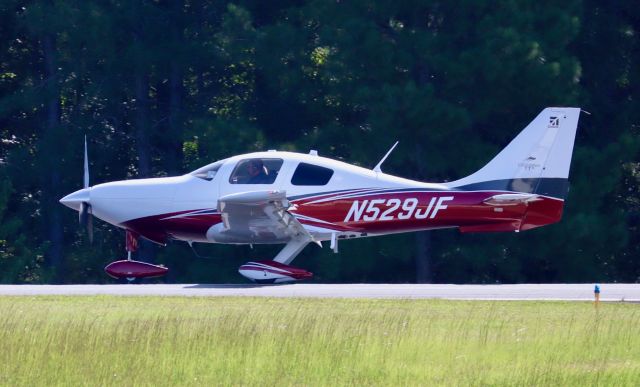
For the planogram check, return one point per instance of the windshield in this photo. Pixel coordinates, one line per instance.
(208, 172)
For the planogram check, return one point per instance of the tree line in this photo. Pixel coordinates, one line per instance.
(163, 87)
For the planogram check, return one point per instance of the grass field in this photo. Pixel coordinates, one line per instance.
(260, 341)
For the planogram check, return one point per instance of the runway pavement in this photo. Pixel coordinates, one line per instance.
(568, 292)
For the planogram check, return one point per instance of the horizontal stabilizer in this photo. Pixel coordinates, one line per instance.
(511, 199)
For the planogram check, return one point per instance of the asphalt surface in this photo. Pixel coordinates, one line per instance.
(568, 292)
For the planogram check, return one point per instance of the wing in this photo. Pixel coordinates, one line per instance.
(259, 217)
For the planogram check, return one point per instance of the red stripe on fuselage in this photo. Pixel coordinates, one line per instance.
(395, 212)
(185, 225)
(375, 213)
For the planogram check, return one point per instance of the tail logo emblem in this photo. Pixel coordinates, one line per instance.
(554, 122)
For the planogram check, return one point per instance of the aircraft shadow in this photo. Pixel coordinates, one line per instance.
(232, 286)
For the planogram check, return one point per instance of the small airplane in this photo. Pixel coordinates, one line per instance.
(295, 199)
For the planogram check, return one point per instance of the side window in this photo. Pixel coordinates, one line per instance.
(256, 171)
(208, 172)
(309, 174)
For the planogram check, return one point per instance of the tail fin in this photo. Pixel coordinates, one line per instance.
(536, 161)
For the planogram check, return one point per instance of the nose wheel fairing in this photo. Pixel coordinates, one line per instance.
(130, 269)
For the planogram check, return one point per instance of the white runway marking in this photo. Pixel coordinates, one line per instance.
(568, 292)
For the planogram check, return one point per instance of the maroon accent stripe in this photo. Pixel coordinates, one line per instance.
(317, 196)
(158, 228)
(467, 210)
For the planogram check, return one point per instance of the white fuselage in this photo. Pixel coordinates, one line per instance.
(122, 202)
(295, 199)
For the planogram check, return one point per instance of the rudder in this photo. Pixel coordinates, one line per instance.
(536, 161)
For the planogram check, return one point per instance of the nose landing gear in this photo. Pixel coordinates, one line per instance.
(130, 269)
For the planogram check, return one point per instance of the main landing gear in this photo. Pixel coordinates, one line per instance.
(278, 270)
(130, 269)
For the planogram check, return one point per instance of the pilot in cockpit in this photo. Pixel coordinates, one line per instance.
(257, 172)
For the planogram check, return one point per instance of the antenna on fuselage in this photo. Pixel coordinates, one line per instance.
(377, 167)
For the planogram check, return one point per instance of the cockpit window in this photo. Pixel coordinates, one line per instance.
(256, 171)
(309, 174)
(208, 172)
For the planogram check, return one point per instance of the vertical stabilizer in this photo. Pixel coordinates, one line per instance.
(536, 161)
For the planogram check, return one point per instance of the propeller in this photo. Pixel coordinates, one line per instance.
(85, 214)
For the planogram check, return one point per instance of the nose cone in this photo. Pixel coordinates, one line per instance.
(73, 200)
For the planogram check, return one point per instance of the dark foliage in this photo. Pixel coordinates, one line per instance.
(162, 87)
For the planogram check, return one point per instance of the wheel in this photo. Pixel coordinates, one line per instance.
(265, 281)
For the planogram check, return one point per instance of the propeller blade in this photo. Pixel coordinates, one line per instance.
(86, 219)
(83, 214)
(86, 164)
(90, 226)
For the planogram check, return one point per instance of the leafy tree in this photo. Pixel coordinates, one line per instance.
(163, 87)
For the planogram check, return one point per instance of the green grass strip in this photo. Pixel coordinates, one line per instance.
(109, 340)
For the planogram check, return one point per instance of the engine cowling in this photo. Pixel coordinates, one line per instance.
(272, 272)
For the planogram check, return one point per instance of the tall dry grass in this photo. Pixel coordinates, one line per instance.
(261, 341)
